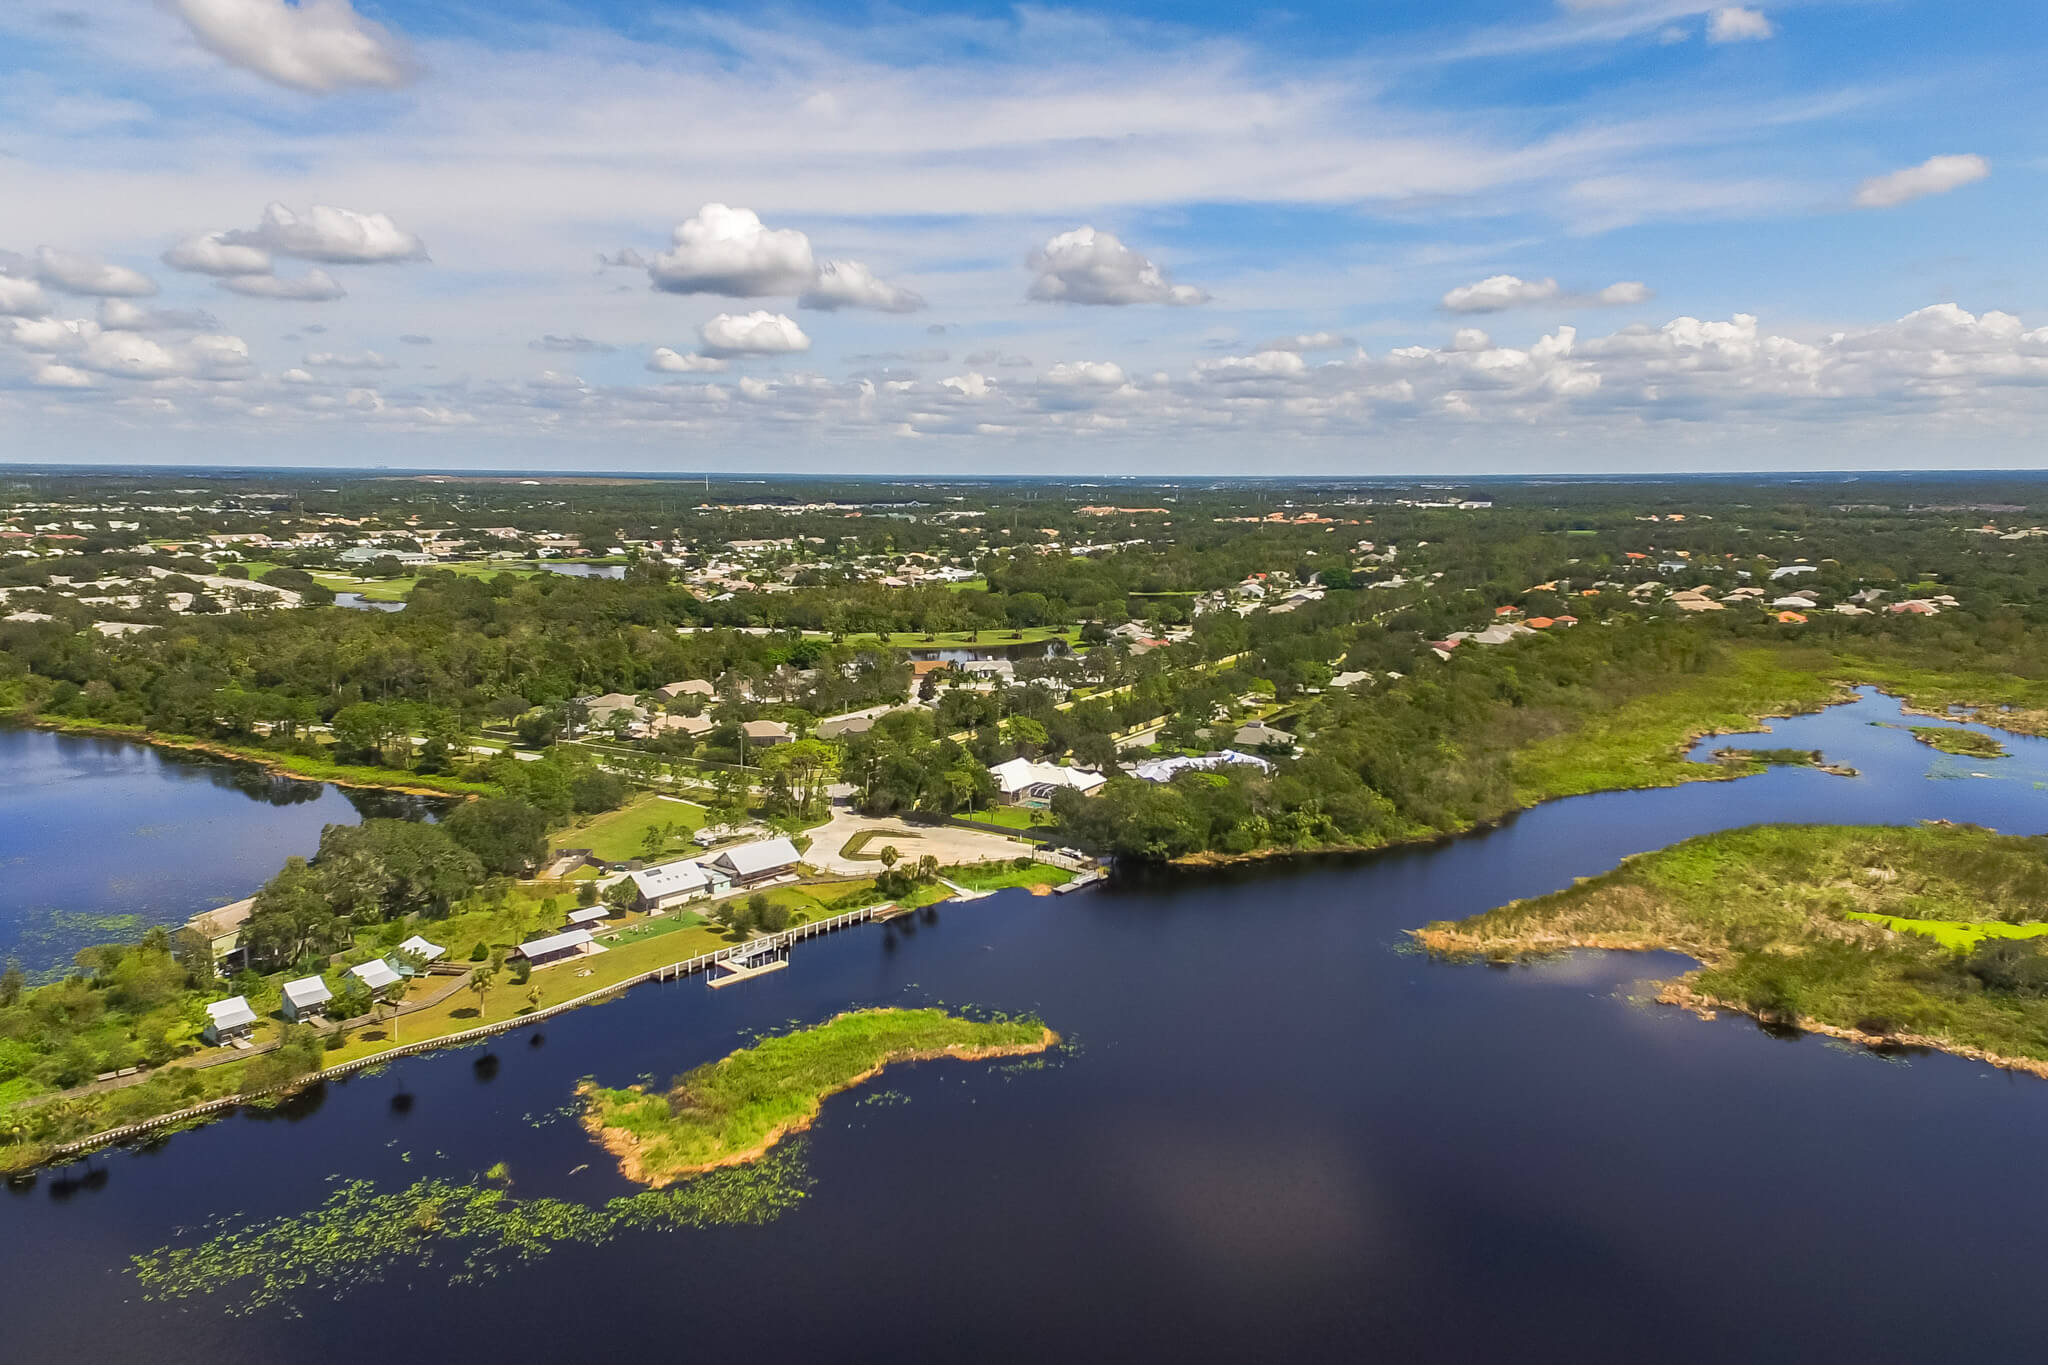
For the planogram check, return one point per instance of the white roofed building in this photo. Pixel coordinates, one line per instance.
(748, 864)
(672, 884)
(228, 1020)
(1024, 779)
(305, 998)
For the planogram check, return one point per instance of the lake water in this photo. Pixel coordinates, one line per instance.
(100, 838)
(1277, 1136)
(355, 601)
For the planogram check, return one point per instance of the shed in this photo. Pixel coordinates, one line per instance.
(420, 948)
(305, 998)
(556, 947)
(228, 1020)
(589, 915)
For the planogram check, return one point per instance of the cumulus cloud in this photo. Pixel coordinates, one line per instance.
(1309, 341)
(315, 286)
(87, 347)
(1105, 374)
(336, 236)
(76, 274)
(350, 360)
(316, 46)
(51, 375)
(22, 298)
(1733, 24)
(1498, 293)
(574, 344)
(849, 284)
(1263, 365)
(1086, 266)
(121, 315)
(210, 254)
(729, 251)
(971, 385)
(667, 361)
(757, 333)
(1935, 175)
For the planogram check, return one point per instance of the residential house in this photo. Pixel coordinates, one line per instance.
(417, 949)
(379, 976)
(1258, 734)
(228, 1021)
(306, 998)
(767, 732)
(692, 687)
(222, 929)
(1024, 779)
(1166, 769)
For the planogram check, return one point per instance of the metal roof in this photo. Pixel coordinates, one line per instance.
(307, 991)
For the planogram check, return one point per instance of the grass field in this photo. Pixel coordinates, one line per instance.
(1878, 929)
(1005, 876)
(1011, 817)
(617, 835)
(735, 1109)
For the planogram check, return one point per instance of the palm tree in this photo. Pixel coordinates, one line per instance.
(481, 980)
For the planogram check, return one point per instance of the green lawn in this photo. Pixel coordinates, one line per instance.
(1005, 876)
(1961, 936)
(617, 835)
(1012, 817)
(736, 1108)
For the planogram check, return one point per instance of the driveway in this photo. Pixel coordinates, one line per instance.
(948, 843)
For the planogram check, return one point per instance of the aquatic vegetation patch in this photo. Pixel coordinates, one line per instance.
(1949, 740)
(1933, 936)
(474, 1230)
(731, 1111)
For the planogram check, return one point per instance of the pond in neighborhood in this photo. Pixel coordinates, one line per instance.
(100, 838)
(1275, 1135)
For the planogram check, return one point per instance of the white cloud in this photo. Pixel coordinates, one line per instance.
(1497, 293)
(1471, 339)
(350, 360)
(556, 381)
(315, 286)
(22, 298)
(75, 274)
(51, 375)
(1623, 292)
(1935, 175)
(667, 361)
(1733, 24)
(1310, 341)
(335, 235)
(1085, 373)
(1264, 365)
(121, 315)
(315, 45)
(971, 385)
(208, 254)
(849, 284)
(1086, 266)
(757, 333)
(729, 251)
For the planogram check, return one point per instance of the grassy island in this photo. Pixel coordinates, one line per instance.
(733, 1110)
(1968, 743)
(1924, 936)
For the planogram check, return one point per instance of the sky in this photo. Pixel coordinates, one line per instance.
(1357, 237)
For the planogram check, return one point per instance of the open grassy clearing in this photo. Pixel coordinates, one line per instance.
(1967, 743)
(732, 1111)
(1796, 923)
(1005, 876)
(621, 834)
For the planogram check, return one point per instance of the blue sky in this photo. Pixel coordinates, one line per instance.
(1485, 235)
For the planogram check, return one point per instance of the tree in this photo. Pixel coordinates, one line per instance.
(538, 729)
(11, 983)
(508, 836)
(889, 857)
(481, 980)
(622, 895)
(586, 895)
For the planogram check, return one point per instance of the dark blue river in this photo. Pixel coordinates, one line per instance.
(1278, 1136)
(100, 838)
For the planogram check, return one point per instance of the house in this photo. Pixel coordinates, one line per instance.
(1793, 570)
(1166, 769)
(1540, 622)
(693, 687)
(417, 949)
(1351, 679)
(852, 723)
(1794, 602)
(542, 952)
(305, 998)
(223, 929)
(696, 727)
(379, 976)
(767, 732)
(1259, 734)
(1791, 618)
(602, 709)
(670, 884)
(752, 864)
(229, 1021)
(1022, 779)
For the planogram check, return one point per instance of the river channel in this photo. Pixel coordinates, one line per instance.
(1277, 1135)
(100, 838)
